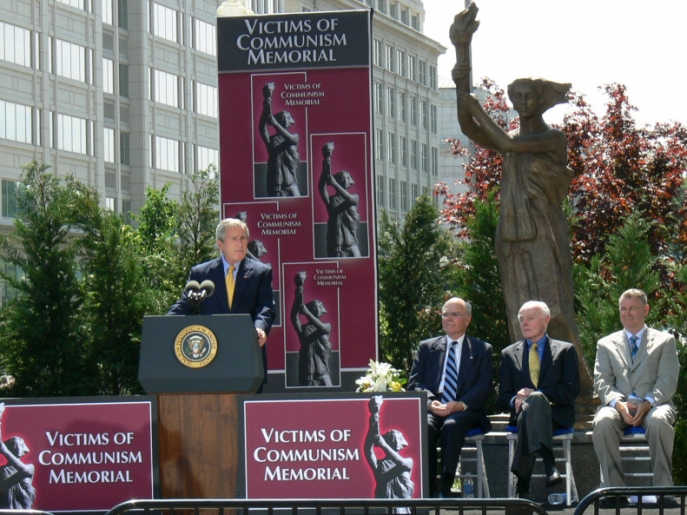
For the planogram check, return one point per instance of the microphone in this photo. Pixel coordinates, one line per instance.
(191, 287)
(207, 288)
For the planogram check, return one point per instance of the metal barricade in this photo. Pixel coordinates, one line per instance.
(327, 506)
(669, 499)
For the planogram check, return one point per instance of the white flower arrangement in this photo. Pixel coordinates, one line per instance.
(381, 377)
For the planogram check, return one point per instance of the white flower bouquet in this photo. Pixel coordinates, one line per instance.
(381, 377)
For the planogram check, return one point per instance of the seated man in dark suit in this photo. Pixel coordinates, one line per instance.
(539, 382)
(249, 280)
(456, 372)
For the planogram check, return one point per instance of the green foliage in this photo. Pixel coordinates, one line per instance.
(628, 263)
(198, 217)
(42, 339)
(414, 274)
(74, 327)
(478, 279)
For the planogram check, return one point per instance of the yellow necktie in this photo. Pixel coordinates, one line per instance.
(230, 284)
(535, 364)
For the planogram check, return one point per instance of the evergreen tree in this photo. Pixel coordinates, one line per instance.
(116, 296)
(42, 338)
(414, 274)
(198, 218)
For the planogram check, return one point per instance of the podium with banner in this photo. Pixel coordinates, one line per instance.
(197, 366)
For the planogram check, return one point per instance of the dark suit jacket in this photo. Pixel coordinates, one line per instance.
(252, 294)
(559, 379)
(474, 373)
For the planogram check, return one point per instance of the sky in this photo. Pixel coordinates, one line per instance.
(589, 43)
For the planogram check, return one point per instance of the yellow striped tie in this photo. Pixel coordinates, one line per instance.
(535, 364)
(230, 284)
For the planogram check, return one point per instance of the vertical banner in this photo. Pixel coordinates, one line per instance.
(363, 446)
(296, 161)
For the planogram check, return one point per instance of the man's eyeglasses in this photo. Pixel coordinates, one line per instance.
(452, 314)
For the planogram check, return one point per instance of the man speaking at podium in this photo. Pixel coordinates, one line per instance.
(242, 285)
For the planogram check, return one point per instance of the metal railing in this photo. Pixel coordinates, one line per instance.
(616, 498)
(328, 506)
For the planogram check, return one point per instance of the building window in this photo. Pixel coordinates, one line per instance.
(111, 204)
(391, 102)
(205, 157)
(403, 148)
(206, 100)
(425, 158)
(414, 193)
(380, 191)
(413, 154)
(71, 134)
(433, 77)
(401, 60)
(122, 14)
(404, 196)
(393, 10)
(109, 145)
(378, 98)
(435, 161)
(166, 154)
(390, 58)
(124, 148)
(16, 122)
(15, 44)
(404, 16)
(391, 148)
(106, 6)
(433, 118)
(392, 193)
(377, 54)
(205, 37)
(422, 72)
(165, 88)
(123, 81)
(415, 22)
(413, 111)
(9, 198)
(108, 76)
(425, 114)
(7, 292)
(78, 4)
(411, 67)
(70, 60)
(402, 106)
(381, 5)
(165, 22)
(379, 144)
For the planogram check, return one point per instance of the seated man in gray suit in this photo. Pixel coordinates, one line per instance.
(456, 372)
(635, 377)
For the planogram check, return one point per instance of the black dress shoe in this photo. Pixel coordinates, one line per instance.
(553, 478)
(522, 489)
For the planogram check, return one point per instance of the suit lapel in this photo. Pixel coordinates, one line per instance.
(465, 362)
(643, 350)
(623, 347)
(243, 275)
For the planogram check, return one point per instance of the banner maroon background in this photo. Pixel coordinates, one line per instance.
(336, 422)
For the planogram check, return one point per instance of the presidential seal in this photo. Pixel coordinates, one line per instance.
(195, 346)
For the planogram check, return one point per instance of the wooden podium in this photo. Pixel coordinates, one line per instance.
(197, 381)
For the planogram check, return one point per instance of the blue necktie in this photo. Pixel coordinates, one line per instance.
(451, 379)
(633, 346)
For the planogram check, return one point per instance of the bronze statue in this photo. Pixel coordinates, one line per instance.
(342, 207)
(282, 148)
(532, 237)
(313, 358)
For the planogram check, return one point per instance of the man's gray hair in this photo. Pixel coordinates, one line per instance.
(468, 306)
(634, 293)
(536, 304)
(230, 222)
